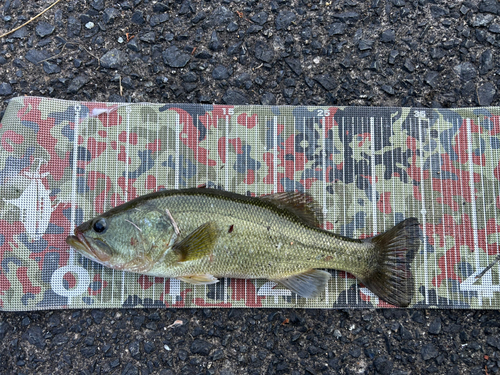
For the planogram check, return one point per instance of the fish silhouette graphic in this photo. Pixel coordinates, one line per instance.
(34, 205)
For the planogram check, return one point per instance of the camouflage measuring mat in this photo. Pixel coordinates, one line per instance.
(63, 162)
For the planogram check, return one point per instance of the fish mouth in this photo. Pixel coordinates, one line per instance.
(87, 247)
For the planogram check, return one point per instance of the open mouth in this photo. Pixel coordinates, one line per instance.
(78, 242)
(84, 246)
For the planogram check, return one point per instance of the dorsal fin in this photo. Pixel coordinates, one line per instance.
(298, 204)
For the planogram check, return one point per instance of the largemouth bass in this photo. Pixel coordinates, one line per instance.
(200, 235)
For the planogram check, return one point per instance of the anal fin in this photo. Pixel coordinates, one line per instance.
(308, 284)
(203, 279)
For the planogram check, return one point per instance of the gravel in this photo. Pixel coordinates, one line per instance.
(439, 53)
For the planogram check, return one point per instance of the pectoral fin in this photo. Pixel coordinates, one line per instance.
(308, 284)
(204, 279)
(198, 243)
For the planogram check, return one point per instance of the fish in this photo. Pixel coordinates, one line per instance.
(199, 235)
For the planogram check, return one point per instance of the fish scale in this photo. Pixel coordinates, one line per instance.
(263, 244)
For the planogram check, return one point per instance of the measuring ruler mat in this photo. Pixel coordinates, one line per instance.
(64, 162)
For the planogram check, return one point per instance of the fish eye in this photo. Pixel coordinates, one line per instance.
(100, 226)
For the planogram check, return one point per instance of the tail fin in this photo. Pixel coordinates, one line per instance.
(395, 249)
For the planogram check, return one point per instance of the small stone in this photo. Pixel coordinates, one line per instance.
(392, 56)
(182, 354)
(219, 17)
(489, 6)
(97, 315)
(418, 317)
(260, 18)
(337, 28)
(148, 37)
(220, 72)
(494, 28)
(437, 12)
(264, 51)
(50, 68)
(4, 326)
(160, 8)
(137, 18)
(34, 335)
(202, 54)
(268, 99)
(200, 346)
(466, 71)
(428, 351)
(408, 65)
(98, 4)
(337, 334)
(383, 365)
(435, 326)
(486, 62)
(234, 49)
(130, 369)
(175, 58)
(121, 40)
(199, 17)
(313, 350)
(36, 56)
(254, 29)
(399, 3)
(134, 349)
(186, 8)
(494, 341)
(60, 339)
(114, 59)
(20, 34)
(90, 25)
(284, 19)
(347, 16)
(437, 53)
(387, 89)
(346, 62)
(77, 83)
(355, 352)
(365, 44)
(482, 20)
(294, 65)
(326, 81)
(217, 354)
(115, 363)
(89, 340)
(43, 29)
(149, 347)
(388, 36)
(109, 15)
(134, 45)
(157, 19)
(432, 78)
(128, 83)
(232, 27)
(88, 351)
(5, 89)
(74, 26)
(486, 93)
(214, 44)
(235, 97)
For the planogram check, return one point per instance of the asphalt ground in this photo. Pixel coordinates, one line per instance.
(341, 52)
